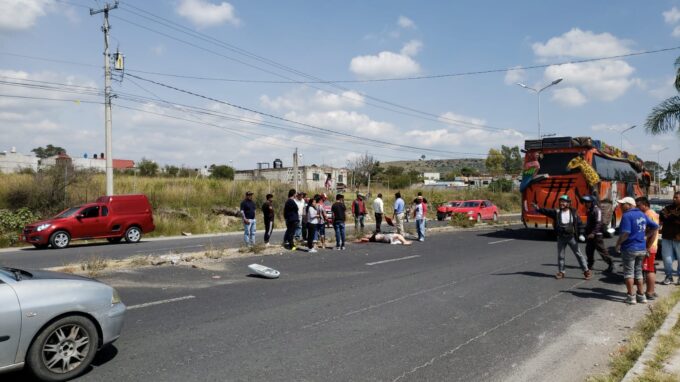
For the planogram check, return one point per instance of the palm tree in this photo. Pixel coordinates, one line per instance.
(665, 117)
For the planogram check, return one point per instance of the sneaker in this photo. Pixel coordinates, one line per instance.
(337, 248)
(343, 248)
(651, 297)
(630, 299)
(588, 274)
(668, 281)
(610, 269)
(293, 248)
(421, 239)
(559, 275)
(640, 298)
(313, 250)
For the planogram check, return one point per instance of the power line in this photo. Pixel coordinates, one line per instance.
(330, 131)
(169, 24)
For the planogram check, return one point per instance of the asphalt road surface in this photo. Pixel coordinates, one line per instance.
(461, 306)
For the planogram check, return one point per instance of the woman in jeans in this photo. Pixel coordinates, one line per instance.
(313, 219)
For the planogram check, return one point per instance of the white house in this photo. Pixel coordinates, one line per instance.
(13, 161)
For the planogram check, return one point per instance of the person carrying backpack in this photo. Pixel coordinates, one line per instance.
(567, 225)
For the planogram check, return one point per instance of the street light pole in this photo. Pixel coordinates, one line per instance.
(538, 98)
(630, 128)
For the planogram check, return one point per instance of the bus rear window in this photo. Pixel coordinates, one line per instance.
(556, 163)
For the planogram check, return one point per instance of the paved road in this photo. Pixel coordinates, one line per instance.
(465, 306)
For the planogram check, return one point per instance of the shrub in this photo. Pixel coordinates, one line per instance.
(462, 220)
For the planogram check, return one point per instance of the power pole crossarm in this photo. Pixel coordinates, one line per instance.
(107, 96)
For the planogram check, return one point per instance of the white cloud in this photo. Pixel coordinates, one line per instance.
(388, 64)
(454, 119)
(671, 16)
(406, 23)
(604, 80)
(664, 89)
(335, 101)
(203, 13)
(617, 127)
(582, 44)
(656, 147)
(300, 99)
(412, 48)
(469, 139)
(515, 75)
(22, 14)
(569, 96)
(676, 31)
(347, 121)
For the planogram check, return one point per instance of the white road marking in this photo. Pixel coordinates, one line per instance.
(170, 248)
(160, 302)
(391, 260)
(501, 241)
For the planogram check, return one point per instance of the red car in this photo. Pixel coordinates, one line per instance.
(446, 209)
(110, 217)
(478, 210)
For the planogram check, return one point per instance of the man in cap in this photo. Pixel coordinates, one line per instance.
(359, 211)
(594, 234)
(248, 209)
(670, 240)
(567, 225)
(635, 228)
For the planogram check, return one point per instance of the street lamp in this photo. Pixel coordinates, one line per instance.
(658, 165)
(630, 128)
(538, 96)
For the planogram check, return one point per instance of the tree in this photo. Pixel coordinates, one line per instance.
(171, 170)
(512, 159)
(467, 171)
(48, 151)
(669, 174)
(494, 162)
(362, 166)
(221, 172)
(665, 117)
(147, 167)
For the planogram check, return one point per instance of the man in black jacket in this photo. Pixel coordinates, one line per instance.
(594, 234)
(292, 218)
(567, 225)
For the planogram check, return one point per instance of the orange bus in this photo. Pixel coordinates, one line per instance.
(577, 167)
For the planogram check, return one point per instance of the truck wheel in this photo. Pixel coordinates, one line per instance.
(60, 239)
(133, 235)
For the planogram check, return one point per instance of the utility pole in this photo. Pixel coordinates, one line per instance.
(107, 95)
(295, 170)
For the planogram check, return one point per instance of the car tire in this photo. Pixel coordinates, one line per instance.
(67, 339)
(133, 234)
(60, 239)
(41, 246)
(440, 217)
(495, 217)
(479, 218)
(114, 240)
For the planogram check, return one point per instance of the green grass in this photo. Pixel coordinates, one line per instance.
(626, 355)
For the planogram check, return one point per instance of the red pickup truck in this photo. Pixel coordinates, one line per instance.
(109, 217)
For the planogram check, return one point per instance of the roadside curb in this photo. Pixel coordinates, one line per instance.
(648, 354)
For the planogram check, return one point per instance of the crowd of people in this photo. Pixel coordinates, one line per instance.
(306, 219)
(637, 242)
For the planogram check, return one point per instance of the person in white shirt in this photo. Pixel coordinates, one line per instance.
(378, 210)
(419, 215)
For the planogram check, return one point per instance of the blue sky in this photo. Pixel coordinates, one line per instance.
(249, 42)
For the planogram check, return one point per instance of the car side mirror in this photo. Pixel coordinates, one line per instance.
(80, 216)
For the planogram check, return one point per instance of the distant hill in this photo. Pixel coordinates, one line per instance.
(442, 166)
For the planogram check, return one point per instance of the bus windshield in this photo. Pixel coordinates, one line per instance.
(556, 163)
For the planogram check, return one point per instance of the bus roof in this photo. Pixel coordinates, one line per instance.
(580, 142)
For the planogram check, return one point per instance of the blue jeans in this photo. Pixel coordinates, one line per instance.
(420, 228)
(249, 232)
(339, 228)
(670, 251)
(298, 230)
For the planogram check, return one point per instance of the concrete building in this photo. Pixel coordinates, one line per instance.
(310, 177)
(13, 161)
